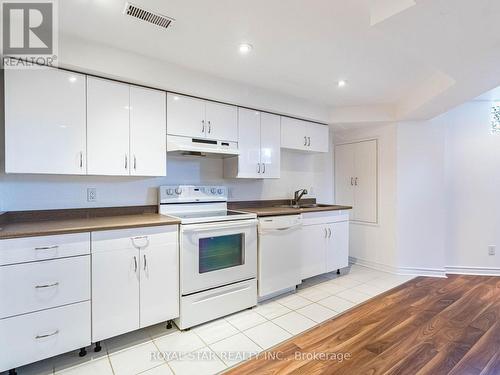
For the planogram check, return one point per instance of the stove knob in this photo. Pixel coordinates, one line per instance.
(213, 190)
(178, 191)
(170, 191)
(220, 191)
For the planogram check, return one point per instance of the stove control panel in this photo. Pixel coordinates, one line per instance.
(192, 193)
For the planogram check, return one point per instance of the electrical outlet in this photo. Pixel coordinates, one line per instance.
(91, 194)
(492, 250)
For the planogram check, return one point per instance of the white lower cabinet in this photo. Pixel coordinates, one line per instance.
(135, 279)
(324, 242)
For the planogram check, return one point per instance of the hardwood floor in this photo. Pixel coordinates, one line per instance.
(425, 326)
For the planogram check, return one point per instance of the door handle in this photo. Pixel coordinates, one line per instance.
(356, 181)
(135, 264)
(135, 163)
(309, 141)
(46, 285)
(352, 181)
(145, 262)
(263, 167)
(326, 232)
(81, 159)
(209, 127)
(305, 141)
(329, 233)
(203, 126)
(126, 161)
(47, 335)
(258, 167)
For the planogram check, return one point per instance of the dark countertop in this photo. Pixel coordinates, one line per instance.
(31, 227)
(269, 207)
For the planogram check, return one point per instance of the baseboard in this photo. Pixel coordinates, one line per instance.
(431, 272)
(482, 271)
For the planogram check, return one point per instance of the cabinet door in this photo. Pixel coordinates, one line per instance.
(45, 122)
(270, 145)
(185, 116)
(148, 132)
(365, 189)
(249, 144)
(159, 286)
(115, 285)
(337, 246)
(318, 137)
(221, 121)
(313, 244)
(344, 174)
(293, 134)
(108, 127)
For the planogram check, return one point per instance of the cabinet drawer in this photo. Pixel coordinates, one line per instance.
(324, 217)
(112, 240)
(20, 250)
(32, 337)
(36, 286)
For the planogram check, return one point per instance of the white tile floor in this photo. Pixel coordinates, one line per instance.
(218, 345)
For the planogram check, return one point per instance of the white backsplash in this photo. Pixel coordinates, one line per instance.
(298, 170)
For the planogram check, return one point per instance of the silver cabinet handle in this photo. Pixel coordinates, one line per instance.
(47, 335)
(329, 233)
(258, 167)
(326, 232)
(352, 181)
(126, 161)
(203, 126)
(47, 285)
(135, 163)
(81, 159)
(305, 141)
(47, 247)
(145, 262)
(135, 263)
(263, 167)
(356, 181)
(309, 141)
(209, 127)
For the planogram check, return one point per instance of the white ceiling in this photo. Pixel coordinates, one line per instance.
(419, 59)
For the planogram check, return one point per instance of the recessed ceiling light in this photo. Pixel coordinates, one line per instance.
(245, 48)
(341, 83)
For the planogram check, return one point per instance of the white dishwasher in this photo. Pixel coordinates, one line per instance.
(279, 254)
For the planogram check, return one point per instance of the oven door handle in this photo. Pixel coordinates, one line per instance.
(219, 225)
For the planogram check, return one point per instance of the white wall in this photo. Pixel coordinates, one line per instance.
(421, 197)
(27, 192)
(473, 187)
(376, 244)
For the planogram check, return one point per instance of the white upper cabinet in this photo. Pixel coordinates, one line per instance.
(221, 121)
(148, 132)
(258, 144)
(44, 122)
(270, 145)
(185, 116)
(197, 118)
(108, 140)
(126, 129)
(304, 135)
(356, 179)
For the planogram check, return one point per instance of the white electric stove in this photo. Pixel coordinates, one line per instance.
(218, 253)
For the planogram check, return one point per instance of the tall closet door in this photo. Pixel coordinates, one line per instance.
(344, 174)
(108, 127)
(365, 182)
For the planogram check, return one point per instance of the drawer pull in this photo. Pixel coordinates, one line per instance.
(47, 335)
(47, 247)
(47, 285)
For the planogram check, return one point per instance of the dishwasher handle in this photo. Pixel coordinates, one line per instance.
(279, 229)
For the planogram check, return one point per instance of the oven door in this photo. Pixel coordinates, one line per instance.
(217, 254)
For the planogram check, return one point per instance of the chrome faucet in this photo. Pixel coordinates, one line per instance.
(297, 196)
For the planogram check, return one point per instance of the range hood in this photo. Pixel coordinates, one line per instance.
(186, 146)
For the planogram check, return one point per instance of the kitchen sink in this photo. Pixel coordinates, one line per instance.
(305, 205)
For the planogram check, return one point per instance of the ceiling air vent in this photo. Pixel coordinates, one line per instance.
(147, 15)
